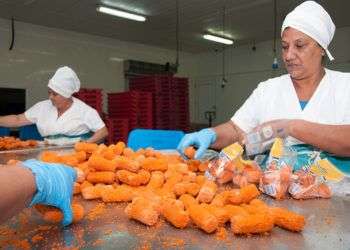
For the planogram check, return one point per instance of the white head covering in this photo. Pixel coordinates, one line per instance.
(65, 82)
(313, 20)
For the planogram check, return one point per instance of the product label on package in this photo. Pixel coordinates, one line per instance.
(233, 151)
(327, 170)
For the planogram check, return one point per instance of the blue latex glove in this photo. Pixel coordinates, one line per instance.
(54, 185)
(202, 140)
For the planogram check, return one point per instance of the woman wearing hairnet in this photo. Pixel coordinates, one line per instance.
(309, 105)
(62, 119)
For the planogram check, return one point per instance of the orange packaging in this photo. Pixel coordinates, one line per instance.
(275, 181)
(306, 185)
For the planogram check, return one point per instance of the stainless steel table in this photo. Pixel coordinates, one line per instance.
(328, 227)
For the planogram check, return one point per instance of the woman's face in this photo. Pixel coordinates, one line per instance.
(57, 100)
(301, 54)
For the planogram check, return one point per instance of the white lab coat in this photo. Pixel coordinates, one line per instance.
(276, 98)
(79, 119)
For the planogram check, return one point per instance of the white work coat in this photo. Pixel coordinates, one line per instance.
(276, 98)
(79, 119)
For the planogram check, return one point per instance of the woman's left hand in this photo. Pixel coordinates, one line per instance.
(262, 137)
(275, 128)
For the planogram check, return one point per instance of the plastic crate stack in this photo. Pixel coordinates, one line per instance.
(180, 95)
(136, 106)
(170, 95)
(92, 97)
(118, 129)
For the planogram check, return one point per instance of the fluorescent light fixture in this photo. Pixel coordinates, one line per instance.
(218, 39)
(116, 59)
(119, 13)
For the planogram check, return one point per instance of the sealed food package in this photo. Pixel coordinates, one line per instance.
(276, 178)
(259, 141)
(320, 180)
(250, 173)
(221, 167)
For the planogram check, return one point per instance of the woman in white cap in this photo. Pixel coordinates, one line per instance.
(309, 105)
(62, 119)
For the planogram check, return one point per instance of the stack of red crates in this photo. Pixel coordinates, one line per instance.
(92, 97)
(136, 106)
(118, 129)
(170, 95)
(180, 97)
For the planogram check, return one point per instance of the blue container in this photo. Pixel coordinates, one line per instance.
(4, 131)
(157, 139)
(30, 132)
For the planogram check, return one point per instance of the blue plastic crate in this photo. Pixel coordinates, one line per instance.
(157, 139)
(30, 132)
(4, 131)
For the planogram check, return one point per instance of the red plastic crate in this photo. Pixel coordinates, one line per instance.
(171, 102)
(136, 106)
(118, 130)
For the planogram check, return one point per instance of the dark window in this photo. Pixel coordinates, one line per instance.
(12, 101)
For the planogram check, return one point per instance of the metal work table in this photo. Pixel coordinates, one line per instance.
(327, 227)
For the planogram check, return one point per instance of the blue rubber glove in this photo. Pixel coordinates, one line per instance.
(54, 185)
(202, 140)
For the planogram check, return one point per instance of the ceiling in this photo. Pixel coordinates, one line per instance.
(246, 21)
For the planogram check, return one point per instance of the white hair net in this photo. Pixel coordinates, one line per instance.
(313, 20)
(65, 82)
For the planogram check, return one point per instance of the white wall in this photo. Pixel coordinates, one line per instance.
(39, 51)
(245, 68)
